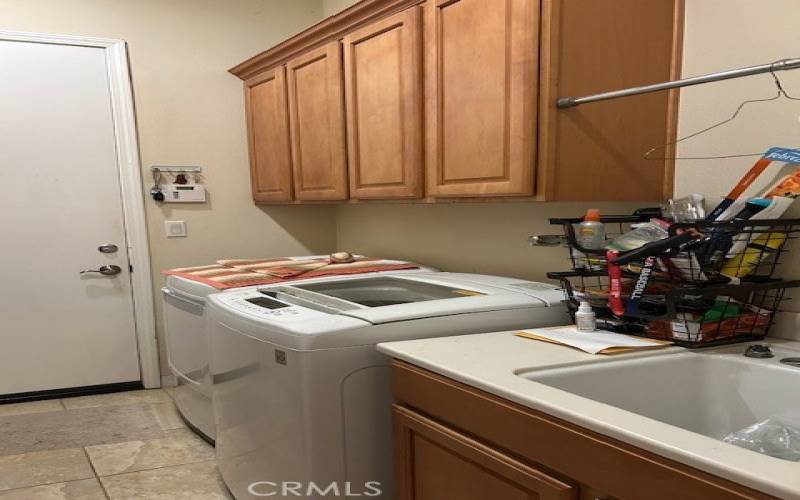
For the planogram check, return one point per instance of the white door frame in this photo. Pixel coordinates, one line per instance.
(130, 185)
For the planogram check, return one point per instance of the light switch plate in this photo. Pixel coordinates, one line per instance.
(175, 228)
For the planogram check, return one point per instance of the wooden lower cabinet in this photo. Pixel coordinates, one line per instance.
(435, 462)
(453, 441)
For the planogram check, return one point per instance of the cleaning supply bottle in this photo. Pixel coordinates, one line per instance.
(591, 235)
(585, 319)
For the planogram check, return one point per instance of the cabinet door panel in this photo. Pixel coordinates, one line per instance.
(594, 152)
(268, 136)
(480, 91)
(434, 462)
(384, 100)
(316, 116)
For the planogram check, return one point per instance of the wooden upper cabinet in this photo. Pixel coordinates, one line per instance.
(480, 96)
(449, 99)
(268, 136)
(595, 152)
(383, 70)
(316, 117)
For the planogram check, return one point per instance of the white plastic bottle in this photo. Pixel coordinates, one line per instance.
(591, 235)
(585, 319)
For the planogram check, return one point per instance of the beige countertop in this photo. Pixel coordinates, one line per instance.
(490, 362)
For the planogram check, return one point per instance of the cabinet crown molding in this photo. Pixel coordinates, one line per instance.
(330, 28)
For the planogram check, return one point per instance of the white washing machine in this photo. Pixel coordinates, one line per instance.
(186, 333)
(300, 392)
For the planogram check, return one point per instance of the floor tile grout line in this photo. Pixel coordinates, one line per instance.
(100, 478)
(94, 471)
(191, 461)
(158, 432)
(161, 467)
(49, 483)
(108, 405)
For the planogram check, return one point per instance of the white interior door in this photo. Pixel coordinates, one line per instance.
(59, 201)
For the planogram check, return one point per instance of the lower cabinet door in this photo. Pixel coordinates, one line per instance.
(435, 462)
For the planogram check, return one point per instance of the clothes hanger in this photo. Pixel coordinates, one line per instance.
(781, 93)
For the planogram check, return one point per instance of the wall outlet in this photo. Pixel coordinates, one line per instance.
(175, 228)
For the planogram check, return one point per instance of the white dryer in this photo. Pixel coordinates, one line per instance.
(300, 392)
(186, 334)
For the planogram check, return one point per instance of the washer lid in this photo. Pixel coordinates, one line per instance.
(386, 299)
(443, 307)
(189, 288)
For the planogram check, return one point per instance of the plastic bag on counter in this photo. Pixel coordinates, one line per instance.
(777, 436)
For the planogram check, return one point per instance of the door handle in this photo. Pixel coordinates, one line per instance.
(104, 270)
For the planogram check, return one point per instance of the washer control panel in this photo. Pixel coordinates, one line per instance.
(267, 303)
(266, 306)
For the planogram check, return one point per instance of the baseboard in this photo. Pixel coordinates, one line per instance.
(24, 397)
(169, 381)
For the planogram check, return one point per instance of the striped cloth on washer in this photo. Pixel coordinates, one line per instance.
(234, 273)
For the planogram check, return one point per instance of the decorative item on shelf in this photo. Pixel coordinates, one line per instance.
(183, 189)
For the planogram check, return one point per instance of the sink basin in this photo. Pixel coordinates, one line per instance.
(710, 391)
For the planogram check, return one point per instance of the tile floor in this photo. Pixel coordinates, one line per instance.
(128, 445)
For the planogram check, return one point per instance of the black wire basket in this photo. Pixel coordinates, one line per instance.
(707, 283)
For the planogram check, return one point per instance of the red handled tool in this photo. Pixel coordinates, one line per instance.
(614, 284)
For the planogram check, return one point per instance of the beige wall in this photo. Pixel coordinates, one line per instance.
(331, 7)
(723, 34)
(486, 238)
(190, 112)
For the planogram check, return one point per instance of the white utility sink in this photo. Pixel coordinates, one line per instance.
(709, 391)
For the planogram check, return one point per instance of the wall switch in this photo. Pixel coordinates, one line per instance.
(175, 228)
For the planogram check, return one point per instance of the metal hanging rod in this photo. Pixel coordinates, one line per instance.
(783, 64)
(175, 170)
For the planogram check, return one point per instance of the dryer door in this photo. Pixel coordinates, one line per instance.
(187, 336)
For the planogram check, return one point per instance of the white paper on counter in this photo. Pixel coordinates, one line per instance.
(597, 342)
